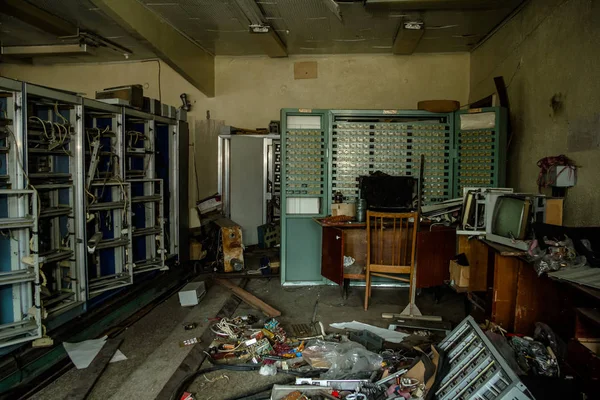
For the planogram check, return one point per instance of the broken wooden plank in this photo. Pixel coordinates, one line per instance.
(249, 298)
(96, 368)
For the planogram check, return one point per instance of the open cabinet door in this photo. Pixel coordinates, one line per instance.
(332, 259)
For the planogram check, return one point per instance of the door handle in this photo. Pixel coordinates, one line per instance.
(338, 237)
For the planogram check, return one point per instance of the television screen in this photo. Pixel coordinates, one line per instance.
(385, 192)
(510, 217)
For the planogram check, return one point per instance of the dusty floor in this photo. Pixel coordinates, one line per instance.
(151, 344)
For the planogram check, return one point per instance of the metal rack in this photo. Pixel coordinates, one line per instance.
(148, 225)
(73, 153)
(148, 249)
(21, 319)
(481, 153)
(51, 161)
(107, 198)
(477, 370)
(20, 311)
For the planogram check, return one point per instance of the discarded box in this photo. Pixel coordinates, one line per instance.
(281, 391)
(348, 209)
(133, 94)
(459, 274)
(191, 294)
(231, 241)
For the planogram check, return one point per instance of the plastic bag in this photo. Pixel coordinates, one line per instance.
(544, 334)
(558, 255)
(533, 356)
(268, 370)
(507, 352)
(342, 359)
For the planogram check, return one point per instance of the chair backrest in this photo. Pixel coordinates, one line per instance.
(391, 238)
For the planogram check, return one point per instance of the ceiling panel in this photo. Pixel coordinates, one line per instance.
(86, 16)
(310, 27)
(304, 26)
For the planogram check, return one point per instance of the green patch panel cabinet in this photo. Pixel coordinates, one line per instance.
(325, 151)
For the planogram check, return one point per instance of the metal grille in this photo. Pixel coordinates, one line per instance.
(480, 155)
(362, 146)
(477, 370)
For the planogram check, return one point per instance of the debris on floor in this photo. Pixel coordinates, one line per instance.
(361, 365)
(83, 353)
(294, 357)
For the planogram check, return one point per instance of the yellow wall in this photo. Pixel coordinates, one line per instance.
(550, 48)
(250, 91)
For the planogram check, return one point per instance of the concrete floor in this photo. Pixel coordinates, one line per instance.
(151, 344)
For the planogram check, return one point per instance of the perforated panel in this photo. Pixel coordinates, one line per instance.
(305, 162)
(362, 145)
(481, 154)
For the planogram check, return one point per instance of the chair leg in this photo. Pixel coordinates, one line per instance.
(367, 291)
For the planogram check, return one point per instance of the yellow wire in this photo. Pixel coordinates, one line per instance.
(59, 114)
(43, 126)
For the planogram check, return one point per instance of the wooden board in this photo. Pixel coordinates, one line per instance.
(332, 255)
(477, 255)
(505, 290)
(540, 299)
(435, 249)
(96, 368)
(355, 245)
(249, 298)
(306, 70)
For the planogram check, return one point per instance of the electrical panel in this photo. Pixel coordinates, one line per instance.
(274, 181)
(476, 370)
(480, 148)
(325, 151)
(51, 165)
(107, 199)
(365, 142)
(305, 164)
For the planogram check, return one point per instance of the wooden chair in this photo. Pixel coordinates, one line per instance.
(391, 247)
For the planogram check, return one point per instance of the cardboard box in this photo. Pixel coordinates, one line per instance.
(348, 209)
(191, 294)
(134, 94)
(459, 274)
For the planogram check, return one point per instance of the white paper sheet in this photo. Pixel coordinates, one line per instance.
(83, 353)
(387, 335)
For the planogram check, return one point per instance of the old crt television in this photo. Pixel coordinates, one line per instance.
(510, 216)
(388, 193)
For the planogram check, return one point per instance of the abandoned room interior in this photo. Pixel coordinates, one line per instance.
(299, 199)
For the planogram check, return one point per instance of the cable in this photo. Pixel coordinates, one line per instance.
(20, 162)
(159, 78)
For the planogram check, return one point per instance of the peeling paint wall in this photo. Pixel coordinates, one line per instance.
(549, 56)
(250, 91)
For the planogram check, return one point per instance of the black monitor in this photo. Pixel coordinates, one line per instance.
(388, 193)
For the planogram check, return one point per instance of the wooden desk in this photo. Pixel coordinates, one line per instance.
(507, 289)
(435, 248)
